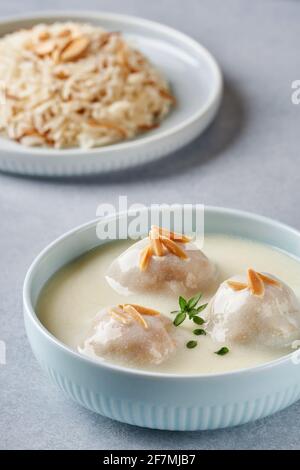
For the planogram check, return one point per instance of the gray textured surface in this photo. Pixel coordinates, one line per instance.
(248, 159)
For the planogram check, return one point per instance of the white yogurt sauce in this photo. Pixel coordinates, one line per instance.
(74, 295)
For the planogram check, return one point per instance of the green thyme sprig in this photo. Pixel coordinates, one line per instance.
(222, 351)
(189, 309)
(191, 344)
(199, 332)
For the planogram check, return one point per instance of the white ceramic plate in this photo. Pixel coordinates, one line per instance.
(195, 79)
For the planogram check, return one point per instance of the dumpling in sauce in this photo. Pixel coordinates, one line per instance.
(164, 261)
(260, 309)
(131, 334)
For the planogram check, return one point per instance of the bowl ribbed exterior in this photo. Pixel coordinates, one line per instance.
(118, 157)
(174, 418)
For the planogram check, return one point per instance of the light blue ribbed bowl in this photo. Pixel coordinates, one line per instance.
(161, 401)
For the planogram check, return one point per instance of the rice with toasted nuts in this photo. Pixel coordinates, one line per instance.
(71, 84)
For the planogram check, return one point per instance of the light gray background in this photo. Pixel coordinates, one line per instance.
(248, 159)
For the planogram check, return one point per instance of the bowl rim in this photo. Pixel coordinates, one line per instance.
(213, 99)
(30, 310)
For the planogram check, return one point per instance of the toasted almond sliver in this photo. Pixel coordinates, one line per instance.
(235, 285)
(35, 133)
(165, 94)
(149, 82)
(156, 243)
(44, 48)
(56, 55)
(133, 313)
(122, 54)
(62, 43)
(117, 316)
(256, 284)
(104, 39)
(108, 125)
(74, 49)
(44, 35)
(64, 33)
(29, 45)
(269, 280)
(174, 248)
(31, 132)
(145, 257)
(10, 96)
(145, 310)
(148, 127)
(178, 237)
(61, 75)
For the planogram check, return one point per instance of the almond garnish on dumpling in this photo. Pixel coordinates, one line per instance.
(254, 308)
(145, 257)
(156, 243)
(146, 310)
(115, 313)
(235, 285)
(126, 313)
(133, 334)
(162, 242)
(173, 248)
(256, 283)
(135, 315)
(178, 237)
(269, 280)
(165, 261)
